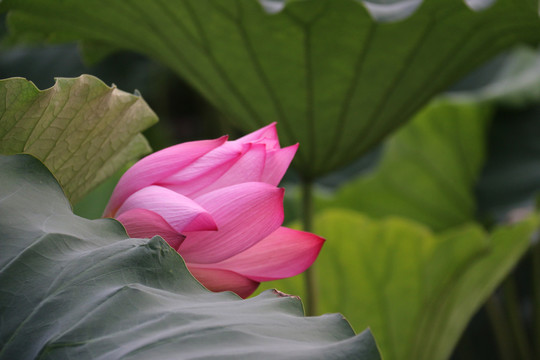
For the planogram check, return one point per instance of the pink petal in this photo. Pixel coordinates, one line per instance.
(284, 253)
(141, 223)
(223, 280)
(244, 213)
(266, 135)
(249, 168)
(277, 163)
(157, 166)
(182, 213)
(205, 170)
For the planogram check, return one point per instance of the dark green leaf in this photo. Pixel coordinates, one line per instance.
(336, 79)
(80, 128)
(73, 288)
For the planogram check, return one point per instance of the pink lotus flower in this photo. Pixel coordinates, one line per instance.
(217, 204)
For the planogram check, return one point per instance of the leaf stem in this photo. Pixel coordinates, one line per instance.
(499, 325)
(535, 250)
(517, 326)
(310, 278)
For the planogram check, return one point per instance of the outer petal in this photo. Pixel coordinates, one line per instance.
(157, 166)
(204, 171)
(277, 163)
(141, 223)
(266, 135)
(182, 213)
(284, 253)
(248, 168)
(223, 280)
(244, 213)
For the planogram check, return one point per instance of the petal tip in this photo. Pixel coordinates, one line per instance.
(222, 139)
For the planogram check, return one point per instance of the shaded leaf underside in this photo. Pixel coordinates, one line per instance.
(335, 79)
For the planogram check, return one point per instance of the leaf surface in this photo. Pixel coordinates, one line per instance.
(80, 128)
(73, 288)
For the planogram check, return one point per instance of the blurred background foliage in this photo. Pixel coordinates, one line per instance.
(497, 110)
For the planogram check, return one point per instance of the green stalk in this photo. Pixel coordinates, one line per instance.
(516, 322)
(310, 279)
(536, 295)
(499, 325)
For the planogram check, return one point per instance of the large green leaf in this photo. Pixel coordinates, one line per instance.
(80, 128)
(73, 288)
(428, 170)
(414, 289)
(336, 77)
(423, 289)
